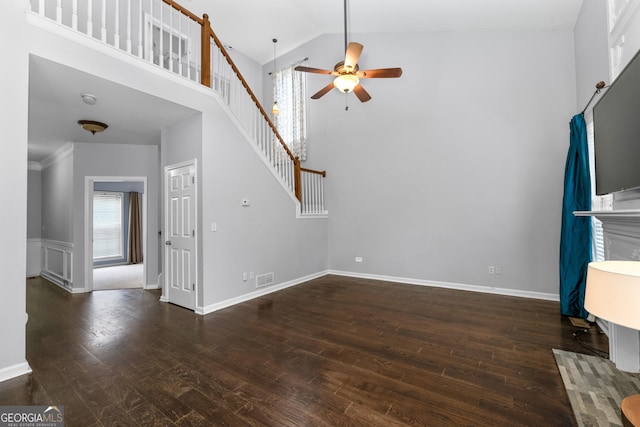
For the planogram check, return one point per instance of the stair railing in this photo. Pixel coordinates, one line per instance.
(170, 36)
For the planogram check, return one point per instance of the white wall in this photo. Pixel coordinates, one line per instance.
(592, 52)
(115, 160)
(263, 237)
(182, 142)
(457, 165)
(57, 199)
(14, 86)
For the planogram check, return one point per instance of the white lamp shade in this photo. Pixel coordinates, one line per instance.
(613, 292)
(346, 82)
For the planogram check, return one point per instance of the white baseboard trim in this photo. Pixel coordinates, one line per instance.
(58, 281)
(255, 294)
(151, 286)
(14, 371)
(449, 285)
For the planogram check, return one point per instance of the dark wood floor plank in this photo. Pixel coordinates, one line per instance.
(336, 351)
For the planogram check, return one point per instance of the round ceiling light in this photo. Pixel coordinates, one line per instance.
(92, 126)
(88, 99)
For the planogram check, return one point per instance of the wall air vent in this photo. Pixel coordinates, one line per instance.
(264, 280)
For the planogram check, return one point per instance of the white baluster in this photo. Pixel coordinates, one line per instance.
(152, 50)
(41, 8)
(90, 18)
(129, 26)
(74, 15)
(103, 23)
(116, 27)
(59, 12)
(171, 39)
(140, 25)
(161, 52)
(179, 37)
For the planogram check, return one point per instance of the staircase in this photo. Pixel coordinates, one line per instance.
(171, 37)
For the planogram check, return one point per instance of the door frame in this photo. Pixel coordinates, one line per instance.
(165, 227)
(88, 225)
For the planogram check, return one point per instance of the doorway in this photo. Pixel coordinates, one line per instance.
(115, 233)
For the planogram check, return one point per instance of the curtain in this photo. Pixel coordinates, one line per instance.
(289, 91)
(575, 234)
(135, 240)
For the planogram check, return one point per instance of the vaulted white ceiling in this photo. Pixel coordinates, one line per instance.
(250, 25)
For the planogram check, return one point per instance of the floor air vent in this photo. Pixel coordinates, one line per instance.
(264, 280)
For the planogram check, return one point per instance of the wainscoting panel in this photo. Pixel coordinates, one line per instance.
(57, 264)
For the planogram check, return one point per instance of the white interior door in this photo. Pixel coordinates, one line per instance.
(180, 240)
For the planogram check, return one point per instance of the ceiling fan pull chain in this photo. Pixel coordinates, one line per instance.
(346, 102)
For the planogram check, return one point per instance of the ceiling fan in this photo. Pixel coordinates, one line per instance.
(347, 73)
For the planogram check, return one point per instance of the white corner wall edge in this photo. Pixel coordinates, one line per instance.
(14, 371)
(255, 294)
(449, 285)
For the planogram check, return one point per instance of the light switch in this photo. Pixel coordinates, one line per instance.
(214, 226)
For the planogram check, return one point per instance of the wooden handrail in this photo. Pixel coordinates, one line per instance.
(205, 79)
(184, 11)
(295, 160)
(323, 173)
(251, 94)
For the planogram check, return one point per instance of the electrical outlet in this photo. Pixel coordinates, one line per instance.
(498, 269)
(244, 276)
(491, 269)
(359, 259)
(252, 275)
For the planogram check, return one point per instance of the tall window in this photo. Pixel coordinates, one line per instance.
(598, 203)
(289, 90)
(108, 235)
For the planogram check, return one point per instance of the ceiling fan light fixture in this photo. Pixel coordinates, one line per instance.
(346, 82)
(92, 126)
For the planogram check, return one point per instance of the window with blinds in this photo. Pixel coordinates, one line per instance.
(599, 203)
(108, 233)
(289, 91)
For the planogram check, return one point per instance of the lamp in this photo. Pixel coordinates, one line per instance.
(613, 292)
(346, 82)
(274, 109)
(92, 126)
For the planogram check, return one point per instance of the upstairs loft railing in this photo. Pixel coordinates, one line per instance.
(168, 35)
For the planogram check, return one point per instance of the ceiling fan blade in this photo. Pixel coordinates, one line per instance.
(379, 73)
(362, 94)
(313, 70)
(351, 57)
(322, 91)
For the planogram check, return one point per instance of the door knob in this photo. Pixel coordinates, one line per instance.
(168, 243)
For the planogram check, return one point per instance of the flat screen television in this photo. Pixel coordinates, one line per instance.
(616, 125)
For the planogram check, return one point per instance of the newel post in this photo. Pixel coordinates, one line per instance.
(205, 52)
(297, 179)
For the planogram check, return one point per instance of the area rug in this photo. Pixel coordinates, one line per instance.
(595, 387)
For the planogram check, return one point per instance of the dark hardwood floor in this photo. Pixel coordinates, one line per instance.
(335, 351)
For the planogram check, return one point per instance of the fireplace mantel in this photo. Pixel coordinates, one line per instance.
(610, 214)
(621, 229)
